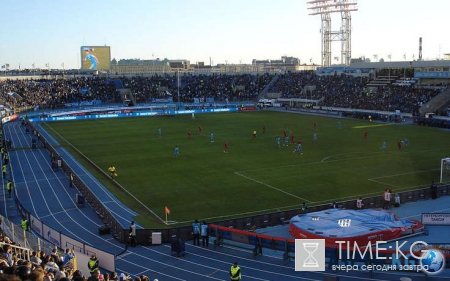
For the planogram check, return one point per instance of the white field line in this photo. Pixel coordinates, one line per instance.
(118, 184)
(396, 175)
(273, 187)
(326, 160)
(408, 173)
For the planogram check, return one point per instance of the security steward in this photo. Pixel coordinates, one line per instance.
(6, 158)
(9, 188)
(4, 170)
(71, 180)
(235, 272)
(24, 224)
(93, 265)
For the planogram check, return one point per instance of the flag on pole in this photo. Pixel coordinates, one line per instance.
(167, 212)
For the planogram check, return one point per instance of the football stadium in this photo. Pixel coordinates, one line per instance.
(167, 170)
(260, 177)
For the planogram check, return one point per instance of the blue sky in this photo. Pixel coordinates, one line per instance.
(233, 31)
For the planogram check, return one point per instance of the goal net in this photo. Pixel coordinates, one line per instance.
(445, 170)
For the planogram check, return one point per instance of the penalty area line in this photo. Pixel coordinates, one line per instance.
(403, 174)
(273, 187)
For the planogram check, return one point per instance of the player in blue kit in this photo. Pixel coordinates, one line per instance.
(278, 141)
(176, 151)
(298, 149)
(384, 145)
(405, 142)
(93, 59)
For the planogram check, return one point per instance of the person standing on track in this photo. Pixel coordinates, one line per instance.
(4, 170)
(132, 234)
(71, 180)
(9, 188)
(204, 233)
(387, 199)
(196, 232)
(6, 158)
(235, 272)
(359, 203)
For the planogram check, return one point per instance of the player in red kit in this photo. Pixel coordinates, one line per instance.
(199, 129)
(225, 147)
(189, 134)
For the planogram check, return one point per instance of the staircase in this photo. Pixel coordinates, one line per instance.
(437, 104)
(264, 93)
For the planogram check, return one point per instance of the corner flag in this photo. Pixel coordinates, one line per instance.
(167, 212)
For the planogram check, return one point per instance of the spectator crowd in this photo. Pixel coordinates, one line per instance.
(342, 91)
(18, 265)
(345, 91)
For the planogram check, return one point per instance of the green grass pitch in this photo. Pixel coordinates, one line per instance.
(255, 176)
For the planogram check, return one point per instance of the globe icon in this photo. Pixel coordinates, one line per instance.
(433, 261)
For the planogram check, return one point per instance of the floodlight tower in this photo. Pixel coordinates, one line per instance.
(324, 8)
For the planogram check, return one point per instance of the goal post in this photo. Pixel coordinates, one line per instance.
(445, 170)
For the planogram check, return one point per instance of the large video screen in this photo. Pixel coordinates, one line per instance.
(95, 57)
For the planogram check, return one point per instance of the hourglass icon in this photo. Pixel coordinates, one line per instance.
(310, 261)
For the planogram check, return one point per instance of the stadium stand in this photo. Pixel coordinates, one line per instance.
(339, 91)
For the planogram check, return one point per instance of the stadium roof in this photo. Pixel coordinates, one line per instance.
(401, 64)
